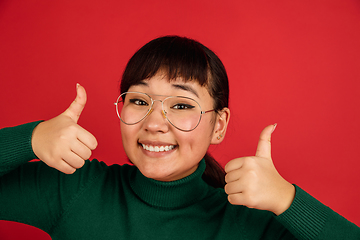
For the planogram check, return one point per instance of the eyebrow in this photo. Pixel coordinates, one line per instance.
(143, 83)
(186, 88)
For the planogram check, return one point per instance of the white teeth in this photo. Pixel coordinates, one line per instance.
(157, 148)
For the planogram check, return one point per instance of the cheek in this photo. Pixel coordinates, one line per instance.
(129, 136)
(197, 140)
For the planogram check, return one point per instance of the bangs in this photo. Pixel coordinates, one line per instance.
(173, 56)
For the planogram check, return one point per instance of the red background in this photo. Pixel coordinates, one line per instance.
(295, 63)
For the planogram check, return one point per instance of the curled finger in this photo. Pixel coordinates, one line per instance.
(74, 160)
(233, 187)
(233, 175)
(81, 150)
(236, 199)
(234, 164)
(64, 167)
(87, 138)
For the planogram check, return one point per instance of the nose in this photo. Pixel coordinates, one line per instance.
(152, 109)
(155, 120)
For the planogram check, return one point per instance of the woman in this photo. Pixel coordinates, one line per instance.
(173, 105)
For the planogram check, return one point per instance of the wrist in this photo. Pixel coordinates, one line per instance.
(34, 139)
(287, 198)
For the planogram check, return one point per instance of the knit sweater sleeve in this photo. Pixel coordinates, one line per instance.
(15, 146)
(31, 192)
(307, 218)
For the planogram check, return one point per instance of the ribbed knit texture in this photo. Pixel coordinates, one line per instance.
(316, 221)
(311, 216)
(16, 146)
(118, 202)
(170, 195)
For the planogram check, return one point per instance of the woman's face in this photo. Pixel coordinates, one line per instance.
(155, 130)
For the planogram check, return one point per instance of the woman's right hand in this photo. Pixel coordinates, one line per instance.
(60, 142)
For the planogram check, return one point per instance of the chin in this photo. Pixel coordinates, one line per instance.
(157, 171)
(157, 175)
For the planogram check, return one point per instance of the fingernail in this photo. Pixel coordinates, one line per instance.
(77, 86)
(274, 127)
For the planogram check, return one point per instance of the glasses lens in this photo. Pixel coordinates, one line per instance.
(132, 107)
(182, 112)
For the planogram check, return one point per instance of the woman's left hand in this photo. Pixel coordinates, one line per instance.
(254, 181)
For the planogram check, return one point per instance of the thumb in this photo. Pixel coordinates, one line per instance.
(264, 146)
(77, 105)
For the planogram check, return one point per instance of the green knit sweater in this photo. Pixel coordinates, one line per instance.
(118, 202)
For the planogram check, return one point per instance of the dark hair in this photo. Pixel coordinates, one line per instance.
(186, 58)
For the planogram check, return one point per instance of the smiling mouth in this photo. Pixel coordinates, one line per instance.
(151, 148)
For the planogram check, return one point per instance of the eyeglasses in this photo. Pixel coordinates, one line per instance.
(183, 113)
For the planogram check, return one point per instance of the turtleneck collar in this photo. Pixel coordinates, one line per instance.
(170, 195)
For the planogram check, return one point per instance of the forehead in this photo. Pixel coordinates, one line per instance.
(162, 85)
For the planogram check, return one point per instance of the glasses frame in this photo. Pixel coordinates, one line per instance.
(151, 109)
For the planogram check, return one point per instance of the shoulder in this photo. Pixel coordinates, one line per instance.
(249, 221)
(96, 167)
(92, 170)
(99, 169)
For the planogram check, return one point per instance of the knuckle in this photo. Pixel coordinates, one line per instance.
(227, 178)
(94, 144)
(65, 168)
(247, 162)
(252, 174)
(231, 199)
(251, 201)
(233, 164)
(69, 129)
(87, 154)
(226, 188)
(51, 162)
(73, 128)
(228, 166)
(251, 164)
(69, 171)
(75, 162)
(79, 164)
(235, 200)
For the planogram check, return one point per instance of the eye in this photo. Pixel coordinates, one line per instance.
(182, 106)
(138, 102)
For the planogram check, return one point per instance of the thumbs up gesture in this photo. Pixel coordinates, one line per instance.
(254, 181)
(60, 142)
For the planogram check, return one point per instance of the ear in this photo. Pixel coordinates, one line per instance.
(222, 121)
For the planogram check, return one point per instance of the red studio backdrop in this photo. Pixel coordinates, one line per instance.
(295, 63)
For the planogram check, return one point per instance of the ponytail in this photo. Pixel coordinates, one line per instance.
(214, 174)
